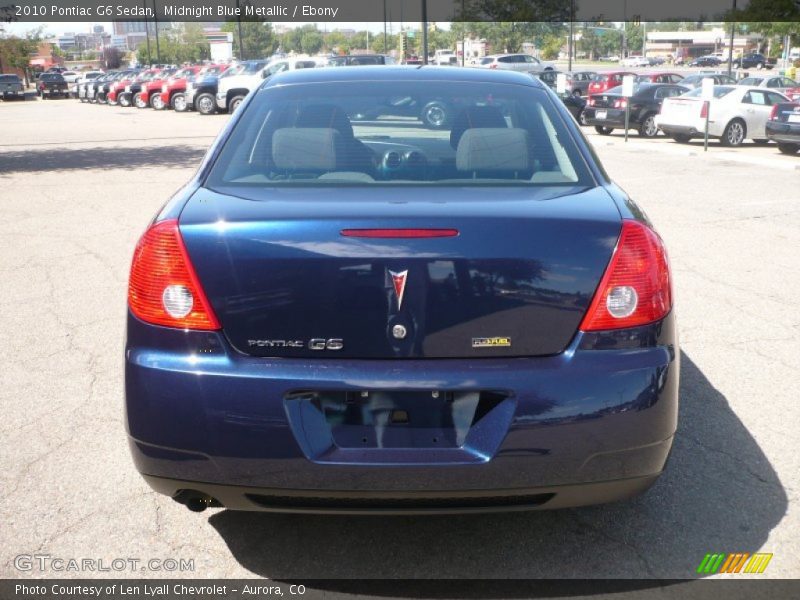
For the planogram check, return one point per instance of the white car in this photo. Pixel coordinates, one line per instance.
(736, 113)
(775, 83)
(634, 61)
(79, 87)
(516, 62)
(71, 76)
(233, 89)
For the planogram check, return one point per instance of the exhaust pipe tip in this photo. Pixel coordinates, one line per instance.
(195, 501)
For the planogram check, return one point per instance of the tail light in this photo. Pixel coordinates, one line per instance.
(621, 103)
(636, 287)
(704, 110)
(163, 288)
(493, 66)
(590, 102)
(773, 114)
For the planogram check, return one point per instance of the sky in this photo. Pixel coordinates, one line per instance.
(85, 27)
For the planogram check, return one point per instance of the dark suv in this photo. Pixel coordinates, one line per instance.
(754, 59)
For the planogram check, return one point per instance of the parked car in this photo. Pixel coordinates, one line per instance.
(81, 86)
(783, 127)
(134, 86)
(606, 111)
(605, 81)
(11, 86)
(118, 86)
(233, 90)
(736, 112)
(776, 83)
(578, 82)
(696, 80)
(659, 78)
(104, 88)
(71, 76)
(95, 87)
(51, 85)
(306, 332)
(753, 60)
(174, 88)
(516, 62)
(576, 106)
(634, 61)
(357, 60)
(150, 93)
(705, 61)
(201, 92)
(179, 99)
(445, 57)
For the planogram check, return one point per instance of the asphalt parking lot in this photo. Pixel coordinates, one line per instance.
(78, 185)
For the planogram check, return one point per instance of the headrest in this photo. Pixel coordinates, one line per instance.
(306, 149)
(474, 117)
(493, 149)
(328, 116)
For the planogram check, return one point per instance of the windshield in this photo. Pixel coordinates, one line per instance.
(719, 91)
(391, 132)
(486, 61)
(751, 81)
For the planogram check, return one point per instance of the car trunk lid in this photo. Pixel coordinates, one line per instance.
(516, 280)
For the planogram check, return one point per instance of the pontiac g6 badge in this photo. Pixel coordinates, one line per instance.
(399, 283)
(491, 342)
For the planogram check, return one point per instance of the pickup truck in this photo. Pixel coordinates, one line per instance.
(11, 86)
(753, 60)
(231, 91)
(52, 84)
(201, 92)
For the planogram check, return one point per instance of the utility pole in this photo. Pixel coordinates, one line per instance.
(571, 33)
(147, 34)
(239, 25)
(155, 20)
(733, 30)
(385, 41)
(463, 35)
(424, 32)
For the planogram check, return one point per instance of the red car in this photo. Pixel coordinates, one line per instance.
(658, 78)
(152, 89)
(175, 85)
(605, 81)
(118, 86)
(793, 94)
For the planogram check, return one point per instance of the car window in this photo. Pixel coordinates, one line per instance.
(719, 91)
(755, 97)
(789, 83)
(750, 81)
(487, 60)
(775, 82)
(329, 133)
(506, 59)
(775, 98)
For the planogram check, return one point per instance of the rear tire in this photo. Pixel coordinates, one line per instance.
(734, 134)
(681, 138)
(178, 103)
(603, 130)
(648, 127)
(789, 148)
(582, 118)
(234, 103)
(205, 104)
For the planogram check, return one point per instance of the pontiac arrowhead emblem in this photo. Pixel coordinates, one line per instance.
(399, 282)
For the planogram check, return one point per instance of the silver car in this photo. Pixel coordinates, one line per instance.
(775, 83)
(516, 62)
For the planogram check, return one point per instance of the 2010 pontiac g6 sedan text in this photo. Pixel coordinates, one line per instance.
(400, 313)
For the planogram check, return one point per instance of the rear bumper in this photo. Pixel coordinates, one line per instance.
(589, 425)
(788, 133)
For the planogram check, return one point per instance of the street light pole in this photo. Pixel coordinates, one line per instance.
(463, 35)
(155, 21)
(385, 41)
(571, 34)
(239, 24)
(424, 32)
(730, 50)
(147, 34)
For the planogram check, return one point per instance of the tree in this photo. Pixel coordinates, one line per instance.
(258, 39)
(551, 46)
(112, 57)
(311, 42)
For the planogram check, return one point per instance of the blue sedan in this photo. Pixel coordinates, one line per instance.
(396, 313)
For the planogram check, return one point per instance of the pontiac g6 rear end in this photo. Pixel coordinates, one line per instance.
(371, 316)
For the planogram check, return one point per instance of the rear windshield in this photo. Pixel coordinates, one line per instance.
(394, 133)
(9, 78)
(719, 91)
(52, 77)
(751, 81)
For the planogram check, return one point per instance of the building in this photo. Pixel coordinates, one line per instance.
(690, 44)
(475, 49)
(136, 32)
